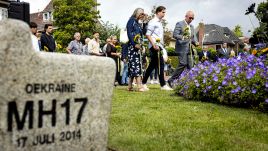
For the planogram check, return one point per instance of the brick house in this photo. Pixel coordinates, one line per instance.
(214, 36)
(3, 9)
(43, 17)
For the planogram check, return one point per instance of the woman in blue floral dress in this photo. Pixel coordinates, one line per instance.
(134, 32)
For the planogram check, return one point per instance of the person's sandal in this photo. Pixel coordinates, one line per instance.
(130, 89)
(140, 90)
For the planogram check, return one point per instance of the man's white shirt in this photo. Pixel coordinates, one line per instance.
(35, 43)
(93, 46)
(155, 30)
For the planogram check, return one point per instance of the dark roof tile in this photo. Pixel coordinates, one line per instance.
(38, 17)
(216, 34)
(49, 7)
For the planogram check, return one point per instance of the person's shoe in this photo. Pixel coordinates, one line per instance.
(167, 88)
(140, 90)
(152, 82)
(170, 83)
(145, 88)
(156, 82)
(130, 89)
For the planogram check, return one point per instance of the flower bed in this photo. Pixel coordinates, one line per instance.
(241, 81)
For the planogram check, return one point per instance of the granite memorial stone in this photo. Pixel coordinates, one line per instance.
(51, 101)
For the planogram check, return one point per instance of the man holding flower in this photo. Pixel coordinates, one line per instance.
(155, 35)
(184, 35)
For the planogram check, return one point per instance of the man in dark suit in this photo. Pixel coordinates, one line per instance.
(204, 55)
(224, 52)
(184, 35)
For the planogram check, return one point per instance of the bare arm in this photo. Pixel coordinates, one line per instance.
(69, 48)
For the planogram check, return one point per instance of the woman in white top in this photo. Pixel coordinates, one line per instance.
(94, 45)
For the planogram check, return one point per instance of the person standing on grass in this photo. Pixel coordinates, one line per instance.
(134, 33)
(112, 53)
(124, 59)
(155, 32)
(184, 35)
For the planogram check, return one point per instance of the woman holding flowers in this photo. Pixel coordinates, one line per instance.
(111, 51)
(134, 33)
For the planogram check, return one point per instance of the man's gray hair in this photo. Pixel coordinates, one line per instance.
(76, 34)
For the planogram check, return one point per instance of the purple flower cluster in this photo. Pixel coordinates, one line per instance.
(239, 80)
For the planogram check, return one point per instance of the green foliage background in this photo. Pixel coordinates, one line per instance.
(79, 16)
(238, 31)
(107, 29)
(74, 16)
(261, 14)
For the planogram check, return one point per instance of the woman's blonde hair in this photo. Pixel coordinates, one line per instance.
(137, 12)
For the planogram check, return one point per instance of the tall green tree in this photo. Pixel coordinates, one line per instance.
(74, 16)
(262, 14)
(238, 31)
(107, 29)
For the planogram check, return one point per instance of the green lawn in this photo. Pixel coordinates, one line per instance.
(160, 121)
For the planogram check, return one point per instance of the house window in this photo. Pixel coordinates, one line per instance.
(226, 35)
(3, 13)
(48, 16)
(218, 47)
(45, 17)
(51, 16)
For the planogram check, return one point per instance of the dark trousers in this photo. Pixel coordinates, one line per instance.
(184, 62)
(154, 64)
(118, 69)
(154, 74)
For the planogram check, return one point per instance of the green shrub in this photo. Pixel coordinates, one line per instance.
(214, 54)
(198, 49)
(171, 51)
(173, 61)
